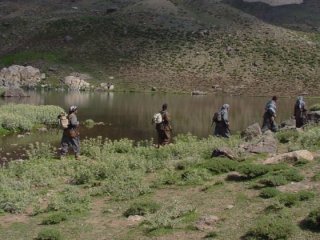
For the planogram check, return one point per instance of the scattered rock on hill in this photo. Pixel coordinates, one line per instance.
(16, 76)
(290, 157)
(251, 132)
(76, 82)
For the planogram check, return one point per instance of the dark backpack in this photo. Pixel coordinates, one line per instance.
(217, 117)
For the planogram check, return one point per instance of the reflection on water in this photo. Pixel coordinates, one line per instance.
(128, 115)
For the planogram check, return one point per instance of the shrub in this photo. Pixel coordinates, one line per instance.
(315, 107)
(314, 218)
(89, 123)
(287, 136)
(218, 166)
(195, 176)
(141, 208)
(316, 177)
(306, 195)
(24, 117)
(269, 192)
(54, 218)
(273, 181)
(253, 170)
(40, 151)
(70, 201)
(49, 234)
(288, 199)
(168, 216)
(272, 227)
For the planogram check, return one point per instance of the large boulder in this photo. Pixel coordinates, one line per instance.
(14, 92)
(290, 157)
(251, 132)
(76, 82)
(267, 143)
(16, 76)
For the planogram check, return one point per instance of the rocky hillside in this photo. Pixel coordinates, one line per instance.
(175, 45)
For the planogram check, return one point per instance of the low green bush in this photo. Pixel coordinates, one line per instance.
(219, 166)
(195, 176)
(273, 181)
(49, 234)
(142, 208)
(168, 217)
(253, 170)
(316, 177)
(314, 218)
(287, 136)
(271, 227)
(288, 199)
(24, 117)
(269, 192)
(54, 218)
(89, 123)
(306, 195)
(40, 151)
(315, 107)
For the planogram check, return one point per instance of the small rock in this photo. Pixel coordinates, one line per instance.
(153, 89)
(223, 152)
(43, 129)
(67, 39)
(100, 123)
(20, 136)
(75, 8)
(206, 223)
(198, 93)
(135, 218)
(229, 206)
(43, 76)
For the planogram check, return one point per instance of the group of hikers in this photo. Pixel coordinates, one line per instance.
(162, 121)
(221, 118)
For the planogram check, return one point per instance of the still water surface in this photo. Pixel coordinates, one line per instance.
(128, 115)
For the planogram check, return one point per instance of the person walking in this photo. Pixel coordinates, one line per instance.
(71, 135)
(163, 127)
(300, 112)
(221, 120)
(270, 115)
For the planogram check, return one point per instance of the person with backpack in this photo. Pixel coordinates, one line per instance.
(221, 120)
(300, 112)
(163, 126)
(269, 116)
(71, 134)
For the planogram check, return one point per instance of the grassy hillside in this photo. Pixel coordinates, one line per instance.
(171, 189)
(247, 48)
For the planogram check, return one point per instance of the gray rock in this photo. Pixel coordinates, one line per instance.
(76, 83)
(14, 92)
(223, 152)
(135, 218)
(67, 39)
(251, 132)
(16, 76)
(265, 144)
(198, 93)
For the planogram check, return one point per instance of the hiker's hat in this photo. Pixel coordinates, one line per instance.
(73, 108)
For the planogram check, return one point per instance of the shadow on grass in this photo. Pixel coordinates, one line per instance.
(308, 225)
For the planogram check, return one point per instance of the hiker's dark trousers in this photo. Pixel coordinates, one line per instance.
(67, 142)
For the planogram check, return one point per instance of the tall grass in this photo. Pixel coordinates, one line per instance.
(23, 117)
